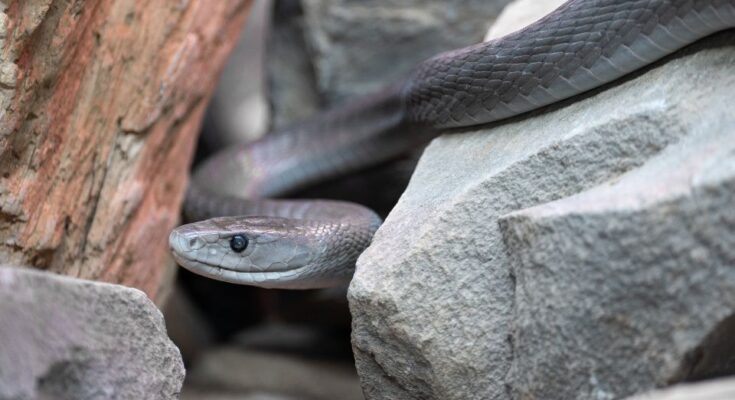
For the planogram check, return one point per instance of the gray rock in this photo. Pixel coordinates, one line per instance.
(630, 285)
(434, 297)
(359, 46)
(65, 338)
(247, 372)
(213, 394)
(722, 389)
(239, 111)
(186, 324)
(291, 79)
(520, 13)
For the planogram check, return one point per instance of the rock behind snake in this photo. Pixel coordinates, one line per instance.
(304, 244)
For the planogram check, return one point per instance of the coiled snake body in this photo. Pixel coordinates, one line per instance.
(315, 243)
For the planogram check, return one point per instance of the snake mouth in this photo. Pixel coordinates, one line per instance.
(286, 279)
(184, 261)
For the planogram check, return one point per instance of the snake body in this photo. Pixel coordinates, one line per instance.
(314, 243)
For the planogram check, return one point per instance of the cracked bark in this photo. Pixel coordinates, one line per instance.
(100, 103)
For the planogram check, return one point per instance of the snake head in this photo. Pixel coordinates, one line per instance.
(267, 252)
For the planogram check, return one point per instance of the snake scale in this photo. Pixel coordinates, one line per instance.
(246, 236)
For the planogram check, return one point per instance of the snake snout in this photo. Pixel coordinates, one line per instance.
(184, 242)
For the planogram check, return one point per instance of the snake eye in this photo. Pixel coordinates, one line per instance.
(238, 243)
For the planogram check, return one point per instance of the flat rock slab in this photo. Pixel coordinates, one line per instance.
(249, 372)
(65, 338)
(721, 389)
(468, 290)
(218, 395)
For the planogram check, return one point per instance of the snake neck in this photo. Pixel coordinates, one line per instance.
(361, 132)
(580, 46)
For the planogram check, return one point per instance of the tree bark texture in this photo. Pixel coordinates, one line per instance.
(100, 104)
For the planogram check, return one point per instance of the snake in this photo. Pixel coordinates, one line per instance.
(245, 233)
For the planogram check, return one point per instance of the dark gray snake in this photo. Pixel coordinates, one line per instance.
(308, 244)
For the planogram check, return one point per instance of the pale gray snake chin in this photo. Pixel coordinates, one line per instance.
(310, 244)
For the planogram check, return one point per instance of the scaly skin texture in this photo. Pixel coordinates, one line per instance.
(309, 244)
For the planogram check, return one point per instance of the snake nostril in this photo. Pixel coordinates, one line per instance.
(193, 242)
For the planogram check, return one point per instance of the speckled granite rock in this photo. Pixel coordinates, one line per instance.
(65, 338)
(434, 298)
(359, 46)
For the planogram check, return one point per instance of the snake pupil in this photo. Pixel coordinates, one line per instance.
(238, 243)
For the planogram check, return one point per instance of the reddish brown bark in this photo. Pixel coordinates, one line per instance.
(100, 103)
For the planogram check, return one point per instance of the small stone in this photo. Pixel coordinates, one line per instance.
(3, 25)
(8, 75)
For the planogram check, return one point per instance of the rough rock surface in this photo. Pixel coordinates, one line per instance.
(358, 46)
(434, 297)
(65, 338)
(637, 271)
(721, 389)
(100, 104)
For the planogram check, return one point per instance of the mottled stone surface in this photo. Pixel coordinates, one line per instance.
(65, 338)
(359, 46)
(454, 291)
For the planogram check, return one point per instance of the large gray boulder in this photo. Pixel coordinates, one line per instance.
(358, 46)
(65, 338)
(583, 252)
(631, 284)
